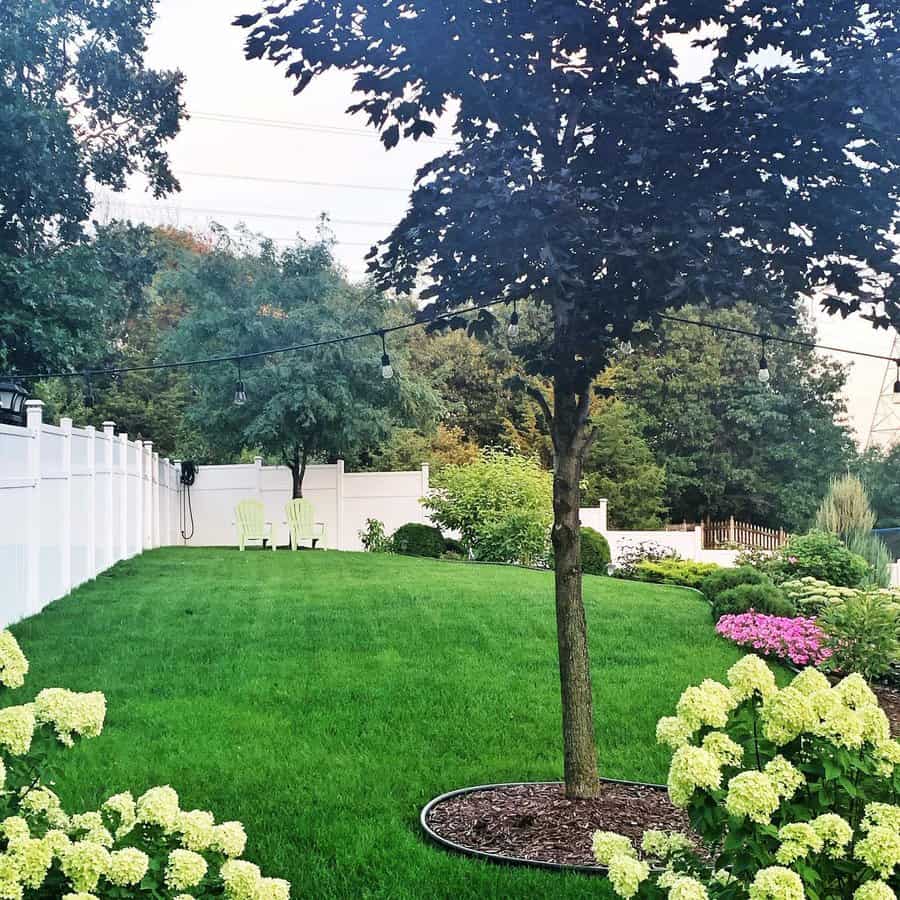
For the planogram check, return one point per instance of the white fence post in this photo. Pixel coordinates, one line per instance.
(425, 476)
(65, 508)
(109, 555)
(166, 501)
(146, 494)
(90, 566)
(258, 462)
(34, 419)
(123, 499)
(339, 537)
(155, 488)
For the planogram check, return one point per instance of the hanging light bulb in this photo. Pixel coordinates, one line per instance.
(240, 395)
(387, 370)
(513, 329)
(897, 386)
(763, 374)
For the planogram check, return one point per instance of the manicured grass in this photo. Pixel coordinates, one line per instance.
(323, 698)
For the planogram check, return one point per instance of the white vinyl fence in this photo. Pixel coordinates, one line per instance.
(74, 501)
(342, 500)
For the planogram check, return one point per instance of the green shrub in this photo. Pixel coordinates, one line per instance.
(501, 505)
(811, 596)
(595, 555)
(764, 598)
(674, 571)
(373, 537)
(862, 634)
(822, 556)
(725, 579)
(415, 539)
(454, 549)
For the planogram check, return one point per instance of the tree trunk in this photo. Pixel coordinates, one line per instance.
(570, 442)
(297, 465)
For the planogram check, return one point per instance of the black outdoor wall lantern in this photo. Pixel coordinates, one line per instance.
(12, 403)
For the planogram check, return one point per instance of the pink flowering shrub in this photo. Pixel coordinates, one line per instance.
(799, 640)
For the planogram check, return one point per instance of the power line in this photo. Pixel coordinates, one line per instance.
(297, 181)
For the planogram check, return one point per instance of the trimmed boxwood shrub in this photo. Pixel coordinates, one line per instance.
(595, 555)
(415, 539)
(685, 572)
(726, 579)
(763, 598)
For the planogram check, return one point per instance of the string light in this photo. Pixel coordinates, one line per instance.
(513, 329)
(763, 374)
(387, 370)
(897, 385)
(240, 395)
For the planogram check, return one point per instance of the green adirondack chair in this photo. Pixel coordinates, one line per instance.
(300, 515)
(251, 525)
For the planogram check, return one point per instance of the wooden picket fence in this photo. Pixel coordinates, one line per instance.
(730, 532)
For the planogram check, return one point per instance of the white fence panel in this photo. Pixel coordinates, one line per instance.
(71, 505)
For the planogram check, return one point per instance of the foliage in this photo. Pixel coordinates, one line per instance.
(595, 554)
(729, 445)
(407, 448)
(879, 469)
(727, 578)
(791, 790)
(874, 551)
(845, 508)
(863, 634)
(500, 505)
(812, 596)
(373, 537)
(454, 549)
(629, 555)
(793, 638)
(415, 539)
(686, 572)
(822, 556)
(125, 848)
(763, 598)
(313, 404)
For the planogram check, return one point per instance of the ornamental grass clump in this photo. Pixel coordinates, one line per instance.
(792, 793)
(144, 847)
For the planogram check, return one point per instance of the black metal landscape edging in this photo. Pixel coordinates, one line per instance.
(496, 858)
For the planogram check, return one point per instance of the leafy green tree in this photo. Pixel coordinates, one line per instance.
(588, 178)
(301, 406)
(77, 105)
(879, 470)
(730, 445)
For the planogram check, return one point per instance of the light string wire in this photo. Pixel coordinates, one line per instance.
(389, 329)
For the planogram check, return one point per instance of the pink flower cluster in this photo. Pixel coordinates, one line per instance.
(800, 640)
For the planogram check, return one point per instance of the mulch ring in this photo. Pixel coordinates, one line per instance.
(889, 698)
(535, 823)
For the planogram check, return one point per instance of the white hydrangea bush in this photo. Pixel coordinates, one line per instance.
(144, 847)
(793, 793)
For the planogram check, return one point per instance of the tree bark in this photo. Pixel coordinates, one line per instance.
(297, 465)
(570, 440)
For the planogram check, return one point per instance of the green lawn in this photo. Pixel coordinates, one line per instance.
(323, 698)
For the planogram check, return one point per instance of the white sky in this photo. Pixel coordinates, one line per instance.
(196, 36)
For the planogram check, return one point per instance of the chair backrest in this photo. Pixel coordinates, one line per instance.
(300, 515)
(250, 516)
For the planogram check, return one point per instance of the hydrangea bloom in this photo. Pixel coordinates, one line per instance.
(687, 888)
(127, 866)
(692, 768)
(727, 751)
(58, 842)
(662, 844)
(706, 704)
(809, 681)
(673, 731)
(123, 809)
(159, 806)
(885, 814)
(33, 858)
(854, 692)
(798, 840)
(752, 794)
(835, 832)
(71, 714)
(626, 874)
(786, 778)
(13, 664)
(777, 883)
(230, 839)
(185, 869)
(80, 895)
(15, 828)
(879, 849)
(241, 879)
(17, 728)
(607, 844)
(196, 828)
(40, 801)
(786, 715)
(874, 890)
(798, 639)
(750, 676)
(83, 863)
(274, 889)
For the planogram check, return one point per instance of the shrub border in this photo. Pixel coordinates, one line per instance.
(496, 858)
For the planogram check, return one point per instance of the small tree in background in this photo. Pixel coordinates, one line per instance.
(589, 178)
(845, 508)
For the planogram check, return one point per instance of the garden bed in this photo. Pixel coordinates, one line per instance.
(535, 824)
(889, 698)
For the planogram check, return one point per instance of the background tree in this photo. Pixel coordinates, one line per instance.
(879, 470)
(588, 178)
(729, 445)
(77, 103)
(302, 406)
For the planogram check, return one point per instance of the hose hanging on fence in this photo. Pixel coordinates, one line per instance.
(188, 477)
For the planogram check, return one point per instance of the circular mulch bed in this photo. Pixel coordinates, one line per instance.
(535, 824)
(889, 698)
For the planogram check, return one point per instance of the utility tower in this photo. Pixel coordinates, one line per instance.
(885, 429)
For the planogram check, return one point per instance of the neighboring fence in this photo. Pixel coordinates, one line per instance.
(744, 534)
(74, 501)
(342, 500)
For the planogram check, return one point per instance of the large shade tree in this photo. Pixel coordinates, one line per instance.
(589, 178)
(303, 406)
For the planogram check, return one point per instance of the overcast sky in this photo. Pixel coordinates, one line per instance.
(312, 139)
